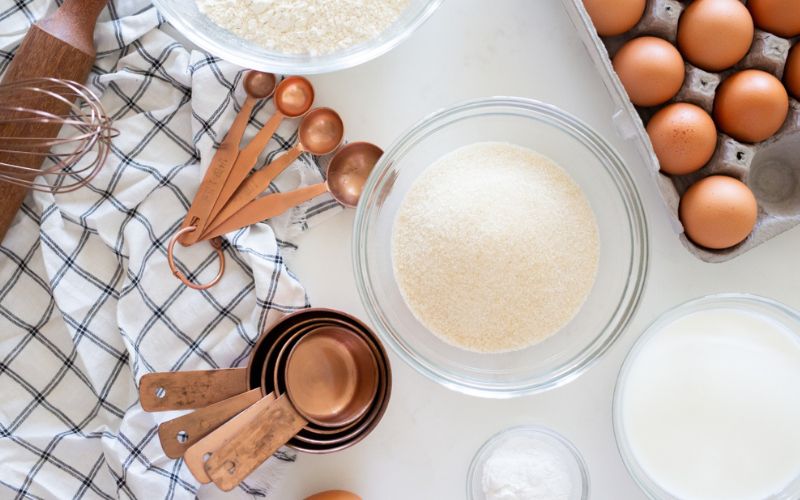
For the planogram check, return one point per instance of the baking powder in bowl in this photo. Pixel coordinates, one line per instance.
(710, 406)
(526, 468)
(495, 247)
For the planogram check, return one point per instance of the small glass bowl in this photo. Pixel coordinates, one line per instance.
(754, 304)
(550, 439)
(614, 298)
(194, 25)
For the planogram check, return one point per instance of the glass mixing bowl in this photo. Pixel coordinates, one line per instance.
(623, 239)
(184, 15)
(758, 306)
(549, 440)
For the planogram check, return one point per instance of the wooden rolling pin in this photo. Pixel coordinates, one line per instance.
(59, 46)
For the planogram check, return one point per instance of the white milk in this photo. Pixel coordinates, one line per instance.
(711, 406)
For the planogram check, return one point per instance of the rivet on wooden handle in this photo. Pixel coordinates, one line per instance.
(254, 443)
(197, 454)
(187, 390)
(178, 434)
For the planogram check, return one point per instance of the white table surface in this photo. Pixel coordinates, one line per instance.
(477, 48)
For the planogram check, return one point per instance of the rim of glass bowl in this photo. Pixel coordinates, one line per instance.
(298, 64)
(480, 455)
(637, 267)
(751, 302)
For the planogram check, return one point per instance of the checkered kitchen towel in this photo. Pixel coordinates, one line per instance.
(87, 303)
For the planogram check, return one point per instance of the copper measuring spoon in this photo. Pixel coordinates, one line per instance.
(347, 173)
(257, 85)
(331, 379)
(320, 133)
(293, 98)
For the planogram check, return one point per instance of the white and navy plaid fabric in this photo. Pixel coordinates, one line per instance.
(87, 302)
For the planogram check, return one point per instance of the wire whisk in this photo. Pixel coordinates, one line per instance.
(58, 125)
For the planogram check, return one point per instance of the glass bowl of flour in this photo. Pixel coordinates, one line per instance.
(500, 247)
(528, 461)
(294, 36)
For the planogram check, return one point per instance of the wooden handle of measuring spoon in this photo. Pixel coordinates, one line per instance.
(216, 175)
(165, 391)
(197, 454)
(255, 185)
(178, 434)
(267, 207)
(254, 443)
(245, 162)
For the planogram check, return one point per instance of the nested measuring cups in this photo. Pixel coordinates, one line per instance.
(237, 395)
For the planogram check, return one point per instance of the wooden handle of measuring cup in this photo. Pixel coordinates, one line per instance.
(178, 434)
(165, 391)
(254, 443)
(59, 46)
(197, 454)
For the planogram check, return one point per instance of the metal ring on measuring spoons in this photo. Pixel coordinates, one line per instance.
(216, 243)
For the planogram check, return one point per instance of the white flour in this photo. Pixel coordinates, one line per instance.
(304, 26)
(525, 470)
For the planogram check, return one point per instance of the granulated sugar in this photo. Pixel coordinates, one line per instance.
(304, 26)
(495, 247)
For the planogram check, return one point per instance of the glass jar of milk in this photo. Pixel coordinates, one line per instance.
(707, 403)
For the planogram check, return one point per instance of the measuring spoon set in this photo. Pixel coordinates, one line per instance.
(319, 380)
(228, 197)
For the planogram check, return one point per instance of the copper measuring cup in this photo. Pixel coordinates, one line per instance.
(317, 435)
(320, 133)
(331, 377)
(312, 438)
(347, 173)
(293, 98)
(200, 438)
(276, 363)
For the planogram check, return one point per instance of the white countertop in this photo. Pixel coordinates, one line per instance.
(477, 48)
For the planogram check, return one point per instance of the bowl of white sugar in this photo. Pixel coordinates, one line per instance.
(500, 247)
(297, 36)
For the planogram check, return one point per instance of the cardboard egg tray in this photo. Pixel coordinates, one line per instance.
(771, 168)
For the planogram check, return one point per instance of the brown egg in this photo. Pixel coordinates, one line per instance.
(781, 17)
(791, 74)
(718, 212)
(684, 138)
(751, 105)
(614, 17)
(334, 495)
(651, 70)
(715, 34)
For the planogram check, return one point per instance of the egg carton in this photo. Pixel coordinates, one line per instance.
(770, 168)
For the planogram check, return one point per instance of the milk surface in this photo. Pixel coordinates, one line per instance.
(711, 406)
